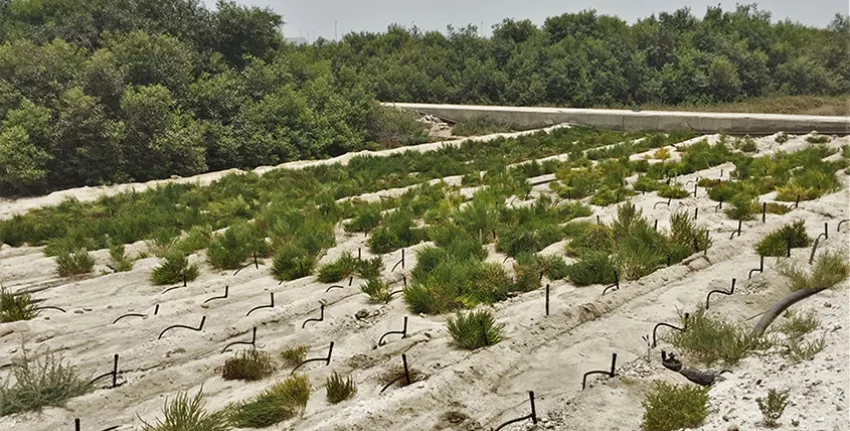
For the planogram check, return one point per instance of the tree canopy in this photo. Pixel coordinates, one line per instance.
(100, 91)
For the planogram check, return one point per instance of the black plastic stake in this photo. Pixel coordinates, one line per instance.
(696, 213)
(359, 254)
(826, 230)
(609, 373)
(403, 333)
(252, 343)
(759, 269)
(547, 299)
(156, 310)
(655, 226)
(788, 242)
(321, 317)
(615, 286)
(113, 374)
(658, 325)
(406, 375)
(271, 297)
(736, 232)
(198, 329)
(695, 190)
(722, 292)
(401, 262)
(226, 294)
(327, 359)
(532, 416)
(764, 212)
(797, 203)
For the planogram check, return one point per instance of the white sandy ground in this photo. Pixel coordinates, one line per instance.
(463, 390)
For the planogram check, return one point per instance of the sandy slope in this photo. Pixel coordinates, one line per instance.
(463, 390)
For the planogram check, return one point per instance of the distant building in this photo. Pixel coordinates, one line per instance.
(297, 40)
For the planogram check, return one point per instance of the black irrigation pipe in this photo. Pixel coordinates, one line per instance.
(616, 284)
(327, 359)
(532, 416)
(260, 307)
(155, 312)
(339, 286)
(840, 223)
(113, 374)
(312, 319)
(759, 269)
(77, 421)
(814, 249)
(669, 201)
(403, 333)
(719, 206)
(185, 283)
(256, 264)
(738, 231)
(658, 325)
(49, 307)
(198, 329)
(406, 374)
(252, 343)
(611, 373)
(722, 292)
(401, 262)
(226, 294)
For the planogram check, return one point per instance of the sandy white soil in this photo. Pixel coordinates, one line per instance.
(463, 390)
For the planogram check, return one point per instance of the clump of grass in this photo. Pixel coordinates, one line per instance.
(776, 243)
(175, 269)
(251, 364)
(283, 401)
(370, 268)
(292, 262)
(773, 406)
(673, 191)
(238, 243)
(377, 290)
(343, 267)
(799, 325)
(748, 146)
(590, 238)
(830, 269)
(294, 355)
(781, 138)
(474, 329)
(40, 383)
(799, 350)
(552, 266)
(16, 307)
(710, 341)
(69, 264)
(183, 413)
(592, 268)
(120, 261)
(661, 154)
(340, 389)
(775, 208)
(742, 207)
(817, 139)
(366, 219)
(673, 407)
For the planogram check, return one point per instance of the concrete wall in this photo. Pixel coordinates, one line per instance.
(703, 122)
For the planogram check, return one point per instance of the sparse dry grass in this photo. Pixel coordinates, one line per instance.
(283, 401)
(294, 355)
(185, 414)
(251, 364)
(340, 389)
(39, 383)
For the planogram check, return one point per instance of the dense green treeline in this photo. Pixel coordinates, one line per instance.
(586, 59)
(96, 92)
(102, 91)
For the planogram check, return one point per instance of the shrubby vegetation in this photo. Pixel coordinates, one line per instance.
(284, 400)
(777, 242)
(340, 389)
(710, 340)
(16, 307)
(671, 407)
(474, 329)
(184, 413)
(38, 383)
(250, 364)
(86, 100)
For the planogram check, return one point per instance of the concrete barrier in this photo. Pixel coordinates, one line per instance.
(619, 119)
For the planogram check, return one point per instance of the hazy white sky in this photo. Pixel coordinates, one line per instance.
(315, 18)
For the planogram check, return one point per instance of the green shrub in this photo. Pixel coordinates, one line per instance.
(16, 307)
(474, 329)
(76, 263)
(674, 407)
(775, 208)
(776, 243)
(398, 231)
(817, 139)
(526, 278)
(674, 191)
(527, 238)
(251, 364)
(75, 239)
(646, 184)
(294, 355)
(237, 244)
(45, 382)
(175, 269)
(640, 252)
(377, 290)
(724, 191)
(830, 269)
(552, 266)
(339, 389)
(594, 238)
(685, 236)
(420, 299)
(183, 414)
(343, 267)
(773, 406)
(710, 341)
(748, 146)
(781, 138)
(283, 401)
(367, 219)
(292, 262)
(606, 196)
(395, 127)
(198, 238)
(592, 268)
(370, 268)
(742, 207)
